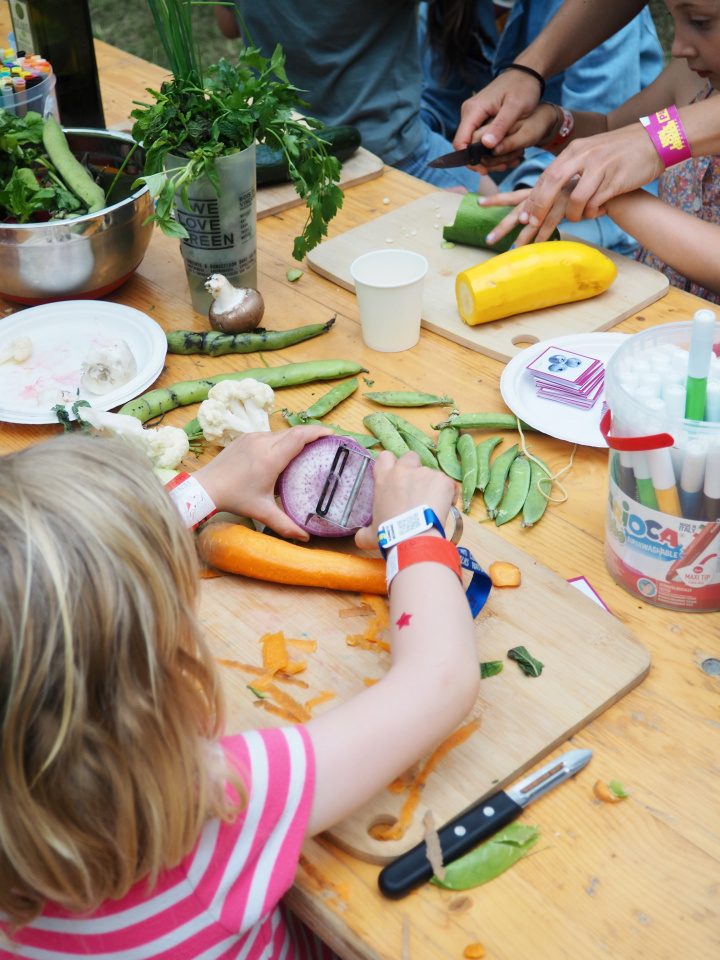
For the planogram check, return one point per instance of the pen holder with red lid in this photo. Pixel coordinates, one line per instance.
(662, 531)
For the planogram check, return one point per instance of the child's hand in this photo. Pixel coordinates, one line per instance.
(241, 478)
(519, 199)
(401, 485)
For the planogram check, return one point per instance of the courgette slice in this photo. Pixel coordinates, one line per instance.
(271, 165)
(473, 223)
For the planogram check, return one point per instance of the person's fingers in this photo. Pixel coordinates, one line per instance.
(507, 223)
(272, 516)
(510, 199)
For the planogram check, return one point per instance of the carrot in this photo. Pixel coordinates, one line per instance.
(236, 549)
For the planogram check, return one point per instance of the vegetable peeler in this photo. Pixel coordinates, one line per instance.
(341, 489)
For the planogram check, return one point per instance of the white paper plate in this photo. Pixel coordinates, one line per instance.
(61, 335)
(558, 419)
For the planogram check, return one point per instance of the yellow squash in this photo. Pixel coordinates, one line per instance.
(530, 278)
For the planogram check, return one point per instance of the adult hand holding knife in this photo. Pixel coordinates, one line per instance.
(477, 824)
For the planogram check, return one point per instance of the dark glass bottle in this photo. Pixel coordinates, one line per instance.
(60, 31)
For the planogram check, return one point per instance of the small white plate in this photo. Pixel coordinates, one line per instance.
(61, 335)
(558, 420)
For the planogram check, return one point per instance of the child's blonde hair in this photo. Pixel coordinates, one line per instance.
(109, 698)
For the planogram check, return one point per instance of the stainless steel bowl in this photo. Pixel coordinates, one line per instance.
(90, 255)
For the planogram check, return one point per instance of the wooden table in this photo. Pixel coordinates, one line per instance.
(640, 879)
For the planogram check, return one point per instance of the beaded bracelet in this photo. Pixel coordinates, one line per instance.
(529, 70)
(668, 136)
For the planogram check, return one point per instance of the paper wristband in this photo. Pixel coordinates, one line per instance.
(668, 136)
(191, 499)
(566, 127)
(434, 550)
(422, 550)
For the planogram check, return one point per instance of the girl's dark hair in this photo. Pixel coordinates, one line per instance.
(455, 35)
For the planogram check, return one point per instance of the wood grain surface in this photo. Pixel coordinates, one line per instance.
(591, 660)
(638, 879)
(418, 226)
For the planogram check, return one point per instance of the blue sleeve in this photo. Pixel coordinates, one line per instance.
(441, 102)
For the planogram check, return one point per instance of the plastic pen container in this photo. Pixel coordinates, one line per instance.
(662, 533)
(38, 97)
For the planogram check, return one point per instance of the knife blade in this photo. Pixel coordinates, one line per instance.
(472, 154)
(478, 823)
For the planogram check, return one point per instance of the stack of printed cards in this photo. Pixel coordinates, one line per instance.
(568, 377)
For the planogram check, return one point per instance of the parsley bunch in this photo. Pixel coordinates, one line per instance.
(203, 115)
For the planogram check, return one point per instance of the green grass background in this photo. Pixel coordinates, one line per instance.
(133, 29)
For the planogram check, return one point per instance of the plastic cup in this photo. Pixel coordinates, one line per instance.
(389, 289)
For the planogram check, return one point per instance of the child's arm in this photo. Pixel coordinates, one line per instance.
(689, 245)
(363, 744)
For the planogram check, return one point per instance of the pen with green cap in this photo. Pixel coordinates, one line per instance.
(701, 353)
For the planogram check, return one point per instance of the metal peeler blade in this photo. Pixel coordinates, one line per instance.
(330, 488)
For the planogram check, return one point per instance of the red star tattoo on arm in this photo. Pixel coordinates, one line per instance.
(403, 621)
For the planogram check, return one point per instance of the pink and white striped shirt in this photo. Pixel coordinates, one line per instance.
(221, 902)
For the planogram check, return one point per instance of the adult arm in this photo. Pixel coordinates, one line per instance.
(227, 21)
(578, 27)
(363, 744)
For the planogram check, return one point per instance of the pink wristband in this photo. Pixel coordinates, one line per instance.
(666, 132)
(190, 498)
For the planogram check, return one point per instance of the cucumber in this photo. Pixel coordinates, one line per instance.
(70, 169)
(473, 223)
(271, 165)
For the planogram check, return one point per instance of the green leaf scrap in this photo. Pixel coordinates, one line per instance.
(258, 694)
(490, 859)
(293, 275)
(489, 668)
(529, 665)
(617, 787)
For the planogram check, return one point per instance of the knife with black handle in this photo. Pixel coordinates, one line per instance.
(477, 824)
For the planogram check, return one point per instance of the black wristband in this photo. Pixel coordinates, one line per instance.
(521, 66)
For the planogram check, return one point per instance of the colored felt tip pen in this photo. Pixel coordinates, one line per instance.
(643, 480)
(692, 478)
(711, 488)
(663, 478)
(701, 353)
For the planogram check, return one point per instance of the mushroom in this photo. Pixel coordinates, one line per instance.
(234, 309)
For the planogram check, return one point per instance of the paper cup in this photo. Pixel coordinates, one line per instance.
(389, 289)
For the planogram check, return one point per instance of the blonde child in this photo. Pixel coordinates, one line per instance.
(678, 230)
(128, 825)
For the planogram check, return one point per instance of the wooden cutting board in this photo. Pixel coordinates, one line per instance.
(276, 197)
(418, 226)
(591, 660)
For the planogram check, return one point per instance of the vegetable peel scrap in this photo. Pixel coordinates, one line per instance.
(490, 859)
(397, 830)
(527, 663)
(611, 792)
(379, 621)
(503, 574)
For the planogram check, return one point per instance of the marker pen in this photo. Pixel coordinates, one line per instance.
(691, 479)
(675, 397)
(645, 488)
(712, 401)
(663, 479)
(701, 350)
(652, 381)
(711, 489)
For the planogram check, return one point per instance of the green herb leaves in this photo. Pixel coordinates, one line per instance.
(490, 668)
(529, 665)
(490, 859)
(233, 106)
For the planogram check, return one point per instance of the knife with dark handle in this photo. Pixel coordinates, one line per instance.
(477, 824)
(473, 154)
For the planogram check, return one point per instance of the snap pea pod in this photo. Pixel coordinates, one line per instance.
(405, 428)
(408, 398)
(427, 457)
(498, 474)
(482, 454)
(217, 344)
(483, 421)
(447, 453)
(331, 399)
(364, 439)
(386, 433)
(517, 491)
(159, 401)
(468, 466)
(535, 502)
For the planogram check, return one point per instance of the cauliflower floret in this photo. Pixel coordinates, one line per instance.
(106, 368)
(165, 446)
(234, 407)
(18, 351)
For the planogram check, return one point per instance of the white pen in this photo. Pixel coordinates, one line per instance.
(691, 479)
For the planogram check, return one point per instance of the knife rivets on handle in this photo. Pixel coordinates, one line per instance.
(459, 831)
(488, 811)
